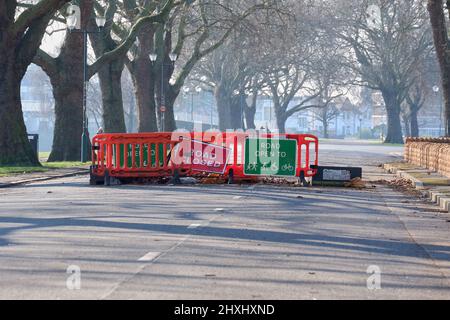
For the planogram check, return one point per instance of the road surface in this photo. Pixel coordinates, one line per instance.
(64, 239)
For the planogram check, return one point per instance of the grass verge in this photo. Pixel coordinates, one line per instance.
(46, 166)
(7, 171)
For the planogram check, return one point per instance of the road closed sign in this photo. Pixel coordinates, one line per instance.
(202, 156)
(271, 157)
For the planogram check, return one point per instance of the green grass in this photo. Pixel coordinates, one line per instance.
(44, 155)
(7, 171)
(65, 164)
(375, 142)
(46, 166)
(393, 144)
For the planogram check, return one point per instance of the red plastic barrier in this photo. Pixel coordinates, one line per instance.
(146, 155)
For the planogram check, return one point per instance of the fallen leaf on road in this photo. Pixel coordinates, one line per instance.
(356, 183)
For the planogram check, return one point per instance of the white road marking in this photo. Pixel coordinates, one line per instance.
(150, 256)
(194, 225)
(154, 255)
(237, 197)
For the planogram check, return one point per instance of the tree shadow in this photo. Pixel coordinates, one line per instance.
(316, 241)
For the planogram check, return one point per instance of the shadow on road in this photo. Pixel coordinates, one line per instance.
(380, 246)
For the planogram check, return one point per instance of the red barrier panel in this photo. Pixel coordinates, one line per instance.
(147, 155)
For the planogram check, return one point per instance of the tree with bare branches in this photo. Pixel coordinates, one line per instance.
(66, 74)
(21, 34)
(388, 39)
(442, 46)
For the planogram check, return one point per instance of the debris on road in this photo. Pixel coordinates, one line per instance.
(213, 178)
(355, 183)
(403, 185)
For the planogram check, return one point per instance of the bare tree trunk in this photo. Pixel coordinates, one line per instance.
(414, 124)
(110, 83)
(145, 95)
(169, 115)
(68, 95)
(250, 118)
(407, 125)
(235, 116)
(67, 83)
(223, 108)
(146, 103)
(250, 111)
(281, 122)
(143, 76)
(66, 76)
(236, 111)
(442, 45)
(325, 128)
(14, 145)
(19, 42)
(394, 126)
(110, 75)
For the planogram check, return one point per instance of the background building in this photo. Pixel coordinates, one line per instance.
(366, 118)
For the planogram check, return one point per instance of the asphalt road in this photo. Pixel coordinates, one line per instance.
(223, 242)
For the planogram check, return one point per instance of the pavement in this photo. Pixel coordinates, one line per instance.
(433, 184)
(64, 239)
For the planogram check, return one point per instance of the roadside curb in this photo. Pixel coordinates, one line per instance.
(46, 178)
(441, 199)
(438, 194)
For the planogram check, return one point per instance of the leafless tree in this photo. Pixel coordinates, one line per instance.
(304, 61)
(66, 74)
(388, 38)
(21, 34)
(233, 73)
(415, 100)
(442, 46)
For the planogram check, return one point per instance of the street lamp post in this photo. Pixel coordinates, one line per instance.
(72, 21)
(162, 106)
(436, 90)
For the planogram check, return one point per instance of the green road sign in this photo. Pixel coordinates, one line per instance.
(271, 157)
(138, 155)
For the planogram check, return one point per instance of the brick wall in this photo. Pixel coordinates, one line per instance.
(431, 153)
